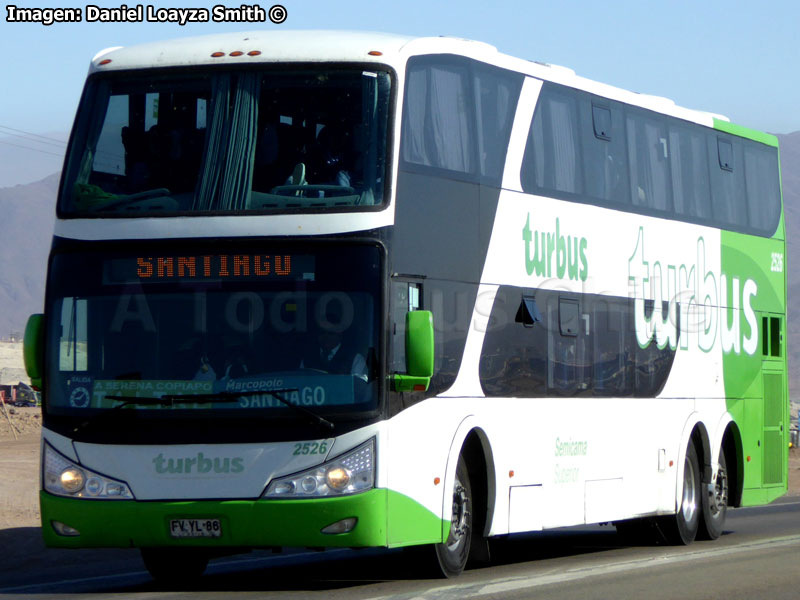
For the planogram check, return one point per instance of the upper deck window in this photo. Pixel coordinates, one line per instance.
(277, 141)
(457, 117)
(584, 148)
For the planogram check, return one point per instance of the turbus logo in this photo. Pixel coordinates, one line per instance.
(695, 292)
(553, 254)
(199, 464)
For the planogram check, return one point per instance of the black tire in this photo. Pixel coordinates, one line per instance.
(174, 566)
(681, 528)
(715, 503)
(452, 555)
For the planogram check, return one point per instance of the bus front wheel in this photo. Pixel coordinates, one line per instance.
(452, 554)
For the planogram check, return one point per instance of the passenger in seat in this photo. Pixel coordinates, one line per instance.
(330, 160)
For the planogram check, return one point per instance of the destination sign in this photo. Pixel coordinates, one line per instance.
(209, 267)
(310, 390)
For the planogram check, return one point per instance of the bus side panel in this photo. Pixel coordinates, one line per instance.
(416, 466)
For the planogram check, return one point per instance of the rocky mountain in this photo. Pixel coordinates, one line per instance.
(27, 214)
(28, 157)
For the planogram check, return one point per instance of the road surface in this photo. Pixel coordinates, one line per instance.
(757, 557)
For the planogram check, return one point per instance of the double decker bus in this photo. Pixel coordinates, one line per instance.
(326, 289)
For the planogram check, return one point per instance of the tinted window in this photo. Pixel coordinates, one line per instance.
(552, 158)
(186, 320)
(648, 160)
(690, 177)
(496, 93)
(265, 140)
(588, 149)
(438, 129)
(457, 116)
(727, 183)
(602, 135)
(761, 170)
(583, 345)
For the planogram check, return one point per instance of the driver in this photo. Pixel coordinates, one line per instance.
(236, 360)
(329, 158)
(331, 351)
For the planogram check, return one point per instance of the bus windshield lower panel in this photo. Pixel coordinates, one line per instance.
(193, 334)
(276, 141)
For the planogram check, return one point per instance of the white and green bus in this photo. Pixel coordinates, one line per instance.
(327, 289)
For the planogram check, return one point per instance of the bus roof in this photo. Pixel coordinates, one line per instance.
(258, 47)
(271, 46)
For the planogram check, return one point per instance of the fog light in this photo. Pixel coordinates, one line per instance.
(72, 480)
(344, 526)
(65, 530)
(338, 478)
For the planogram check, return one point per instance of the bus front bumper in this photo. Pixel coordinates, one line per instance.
(242, 523)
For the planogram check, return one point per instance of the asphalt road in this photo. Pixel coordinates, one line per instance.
(757, 557)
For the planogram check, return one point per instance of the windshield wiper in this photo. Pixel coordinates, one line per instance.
(234, 397)
(228, 397)
(128, 401)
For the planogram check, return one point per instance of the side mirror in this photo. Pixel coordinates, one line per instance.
(419, 353)
(33, 349)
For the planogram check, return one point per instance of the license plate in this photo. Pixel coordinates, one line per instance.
(193, 528)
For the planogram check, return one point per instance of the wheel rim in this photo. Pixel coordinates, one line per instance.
(689, 500)
(459, 522)
(718, 492)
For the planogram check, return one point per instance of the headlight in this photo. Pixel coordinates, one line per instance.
(71, 480)
(349, 473)
(65, 478)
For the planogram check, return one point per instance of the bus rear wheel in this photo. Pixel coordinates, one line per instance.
(174, 566)
(681, 528)
(453, 553)
(715, 503)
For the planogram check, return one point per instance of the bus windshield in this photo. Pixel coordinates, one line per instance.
(191, 321)
(277, 140)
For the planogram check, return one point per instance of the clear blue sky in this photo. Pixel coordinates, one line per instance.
(737, 58)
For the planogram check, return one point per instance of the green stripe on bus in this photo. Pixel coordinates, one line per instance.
(745, 132)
